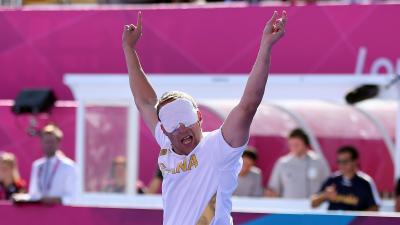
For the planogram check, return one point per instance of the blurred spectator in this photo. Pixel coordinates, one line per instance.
(10, 181)
(349, 188)
(397, 203)
(53, 177)
(298, 174)
(250, 177)
(155, 183)
(117, 180)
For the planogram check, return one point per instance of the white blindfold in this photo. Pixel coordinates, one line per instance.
(179, 111)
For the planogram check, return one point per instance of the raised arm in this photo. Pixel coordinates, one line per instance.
(143, 93)
(237, 125)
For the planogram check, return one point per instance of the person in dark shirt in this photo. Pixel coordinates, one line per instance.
(10, 181)
(397, 204)
(155, 183)
(349, 188)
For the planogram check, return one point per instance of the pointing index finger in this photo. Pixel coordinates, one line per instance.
(139, 20)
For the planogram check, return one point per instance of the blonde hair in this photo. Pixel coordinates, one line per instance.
(53, 129)
(9, 159)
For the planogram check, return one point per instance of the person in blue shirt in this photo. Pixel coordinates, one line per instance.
(349, 188)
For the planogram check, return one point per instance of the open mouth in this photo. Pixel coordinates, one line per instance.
(187, 140)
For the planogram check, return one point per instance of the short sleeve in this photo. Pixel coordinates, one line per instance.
(162, 140)
(259, 190)
(274, 180)
(326, 184)
(71, 189)
(373, 198)
(226, 155)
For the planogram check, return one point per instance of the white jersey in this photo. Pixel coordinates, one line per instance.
(54, 177)
(192, 183)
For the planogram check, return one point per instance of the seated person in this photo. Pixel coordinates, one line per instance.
(53, 177)
(349, 188)
(250, 177)
(117, 180)
(10, 181)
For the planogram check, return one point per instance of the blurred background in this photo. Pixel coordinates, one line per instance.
(333, 84)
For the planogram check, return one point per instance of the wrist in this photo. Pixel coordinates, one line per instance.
(126, 47)
(264, 53)
(266, 46)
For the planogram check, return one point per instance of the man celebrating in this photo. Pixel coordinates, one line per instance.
(200, 170)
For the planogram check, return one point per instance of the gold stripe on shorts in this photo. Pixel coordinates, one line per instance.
(208, 213)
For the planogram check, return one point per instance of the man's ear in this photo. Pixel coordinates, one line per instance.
(199, 116)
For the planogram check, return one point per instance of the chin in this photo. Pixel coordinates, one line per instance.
(191, 148)
(188, 149)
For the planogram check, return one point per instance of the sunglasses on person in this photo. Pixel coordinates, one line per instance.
(343, 161)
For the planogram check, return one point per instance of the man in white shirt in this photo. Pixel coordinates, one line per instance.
(200, 169)
(53, 177)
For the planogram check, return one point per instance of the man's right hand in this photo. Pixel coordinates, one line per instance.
(330, 193)
(132, 33)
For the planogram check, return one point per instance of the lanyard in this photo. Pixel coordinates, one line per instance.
(43, 185)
